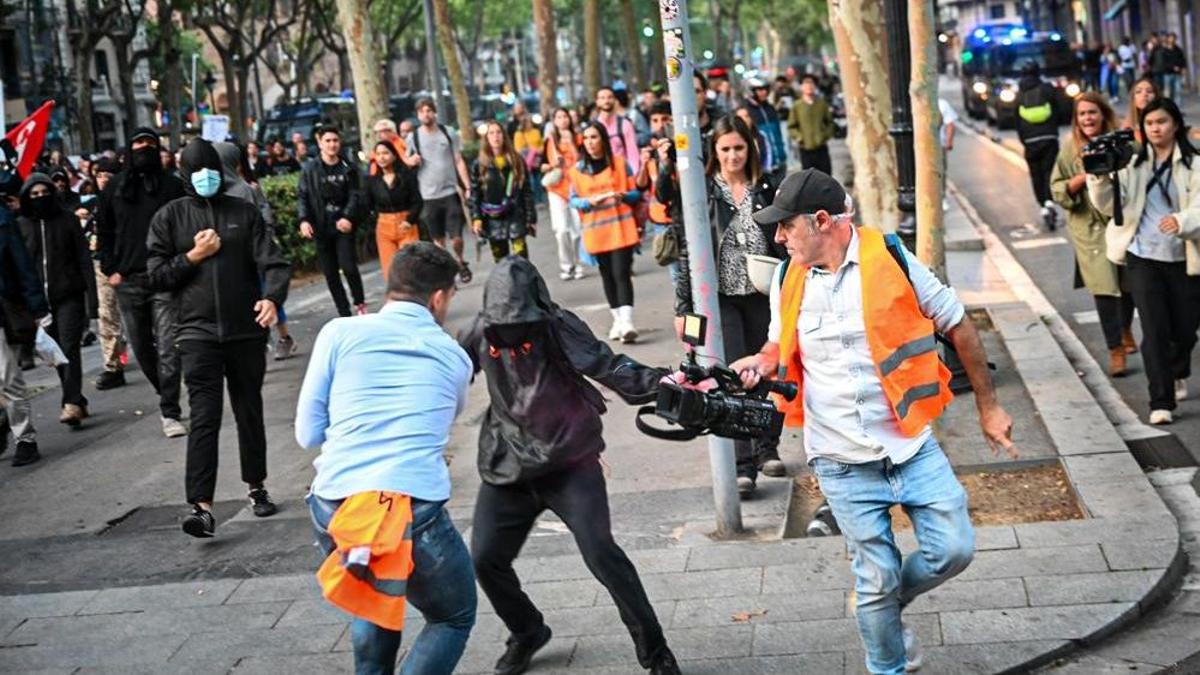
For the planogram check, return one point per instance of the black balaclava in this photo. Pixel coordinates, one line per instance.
(42, 208)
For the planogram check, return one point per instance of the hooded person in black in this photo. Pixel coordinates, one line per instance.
(1037, 127)
(64, 267)
(207, 251)
(122, 223)
(539, 448)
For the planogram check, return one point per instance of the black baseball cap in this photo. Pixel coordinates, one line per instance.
(805, 192)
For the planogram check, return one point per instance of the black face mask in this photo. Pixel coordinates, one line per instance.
(42, 207)
(146, 160)
(512, 335)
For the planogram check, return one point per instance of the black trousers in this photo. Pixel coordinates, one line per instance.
(1041, 156)
(337, 253)
(745, 321)
(70, 321)
(150, 320)
(615, 273)
(817, 159)
(1116, 314)
(240, 366)
(504, 515)
(1168, 302)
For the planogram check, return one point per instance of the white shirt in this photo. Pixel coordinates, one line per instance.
(847, 417)
(949, 116)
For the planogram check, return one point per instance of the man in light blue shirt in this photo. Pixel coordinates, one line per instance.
(379, 397)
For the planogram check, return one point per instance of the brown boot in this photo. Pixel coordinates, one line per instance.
(1116, 361)
(1128, 342)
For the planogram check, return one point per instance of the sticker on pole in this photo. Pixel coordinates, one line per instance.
(674, 68)
(668, 9)
(681, 142)
(673, 43)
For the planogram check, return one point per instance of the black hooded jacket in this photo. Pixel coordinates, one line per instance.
(215, 297)
(544, 416)
(56, 243)
(123, 215)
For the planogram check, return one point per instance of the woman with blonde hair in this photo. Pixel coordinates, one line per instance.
(1092, 117)
(502, 208)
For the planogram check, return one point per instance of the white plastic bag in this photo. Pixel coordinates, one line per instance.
(48, 350)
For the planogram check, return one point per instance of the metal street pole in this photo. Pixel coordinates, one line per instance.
(431, 62)
(195, 99)
(677, 43)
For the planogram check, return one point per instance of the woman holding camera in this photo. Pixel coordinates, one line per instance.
(1068, 183)
(737, 187)
(1158, 246)
(603, 191)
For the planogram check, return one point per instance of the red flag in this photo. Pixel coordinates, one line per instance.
(28, 137)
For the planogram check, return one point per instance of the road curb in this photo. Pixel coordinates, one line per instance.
(1110, 483)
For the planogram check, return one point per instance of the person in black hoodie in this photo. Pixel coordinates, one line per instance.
(207, 251)
(539, 448)
(1037, 127)
(22, 308)
(122, 222)
(60, 253)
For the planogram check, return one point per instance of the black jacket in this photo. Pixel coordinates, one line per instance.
(489, 186)
(544, 416)
(19, 286)
(1047, 131)
(58, 248)
(216, 297)
(123, 218)
(403, 195)
(720, 215)
(310, 203)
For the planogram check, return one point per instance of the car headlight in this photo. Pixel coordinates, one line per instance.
(1072, 90)
(1008, 95)
(980, 87)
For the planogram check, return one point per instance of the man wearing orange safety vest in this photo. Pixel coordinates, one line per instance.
(856, 332)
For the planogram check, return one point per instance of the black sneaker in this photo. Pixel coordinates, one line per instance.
(3, 434)
(110, 379)
(261, 504)
(284, 348)
(464, 272)
(518, 654)
(27, 453)
(200, 523)
(665, 664)
(89, 339)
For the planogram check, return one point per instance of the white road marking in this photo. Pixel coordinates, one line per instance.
(590, 308)
(1090, 316)
(1039, 243)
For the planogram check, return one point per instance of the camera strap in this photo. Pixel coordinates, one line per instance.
(677, 434)
(1162, 179)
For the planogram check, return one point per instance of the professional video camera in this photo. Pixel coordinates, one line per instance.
(728, 409)
(1108, 153)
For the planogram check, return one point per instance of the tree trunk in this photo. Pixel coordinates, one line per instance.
(858, 31)
(633, 44)
(233, 95)
(547, 56)
(931, 171)
(458, 86)
(129, 104)
(591, 47)
(172, 84)
(344, 77)
(720, 44)
(83, 96)
(355, 22)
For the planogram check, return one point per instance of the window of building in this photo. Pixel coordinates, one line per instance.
(996, 11)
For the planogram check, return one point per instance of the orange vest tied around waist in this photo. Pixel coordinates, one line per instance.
(658, 210)
(367, 575)
(612, 226)
(900, 337)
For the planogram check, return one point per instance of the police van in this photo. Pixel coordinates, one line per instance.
(993, 66)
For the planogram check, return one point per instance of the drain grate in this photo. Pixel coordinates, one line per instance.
(1161, 452)
(142, 519)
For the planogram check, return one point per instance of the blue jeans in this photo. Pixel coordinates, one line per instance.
(860, 496)
(1171, 86)
(442, 587)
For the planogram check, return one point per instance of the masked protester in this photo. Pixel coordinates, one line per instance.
(536, 356)
(59, 250)
(207, 251)
(122, 222)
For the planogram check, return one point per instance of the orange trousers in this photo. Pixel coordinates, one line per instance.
(392, 233)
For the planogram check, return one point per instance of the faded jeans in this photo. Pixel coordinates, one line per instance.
(442, 587)
(860, 496)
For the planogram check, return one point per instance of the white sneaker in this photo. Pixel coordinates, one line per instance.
(1161, 417)
(629, 334)
(1181, 391)
(914, 658)
(577, 274)
(565, 276)
(614, 333)
(173, 428)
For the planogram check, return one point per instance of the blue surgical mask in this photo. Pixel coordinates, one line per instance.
(206, 182)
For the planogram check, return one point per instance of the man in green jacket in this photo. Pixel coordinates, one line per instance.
(811, 126)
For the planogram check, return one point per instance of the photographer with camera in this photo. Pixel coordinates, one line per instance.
(737, 189)
(853, 322)
(539, 448)
(1093, 118)
(1154, 233)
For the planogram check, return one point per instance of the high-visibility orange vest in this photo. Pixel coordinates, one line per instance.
(367, 574)
(658, 210)
(569, 153)
(610, 227)
(901, 339)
